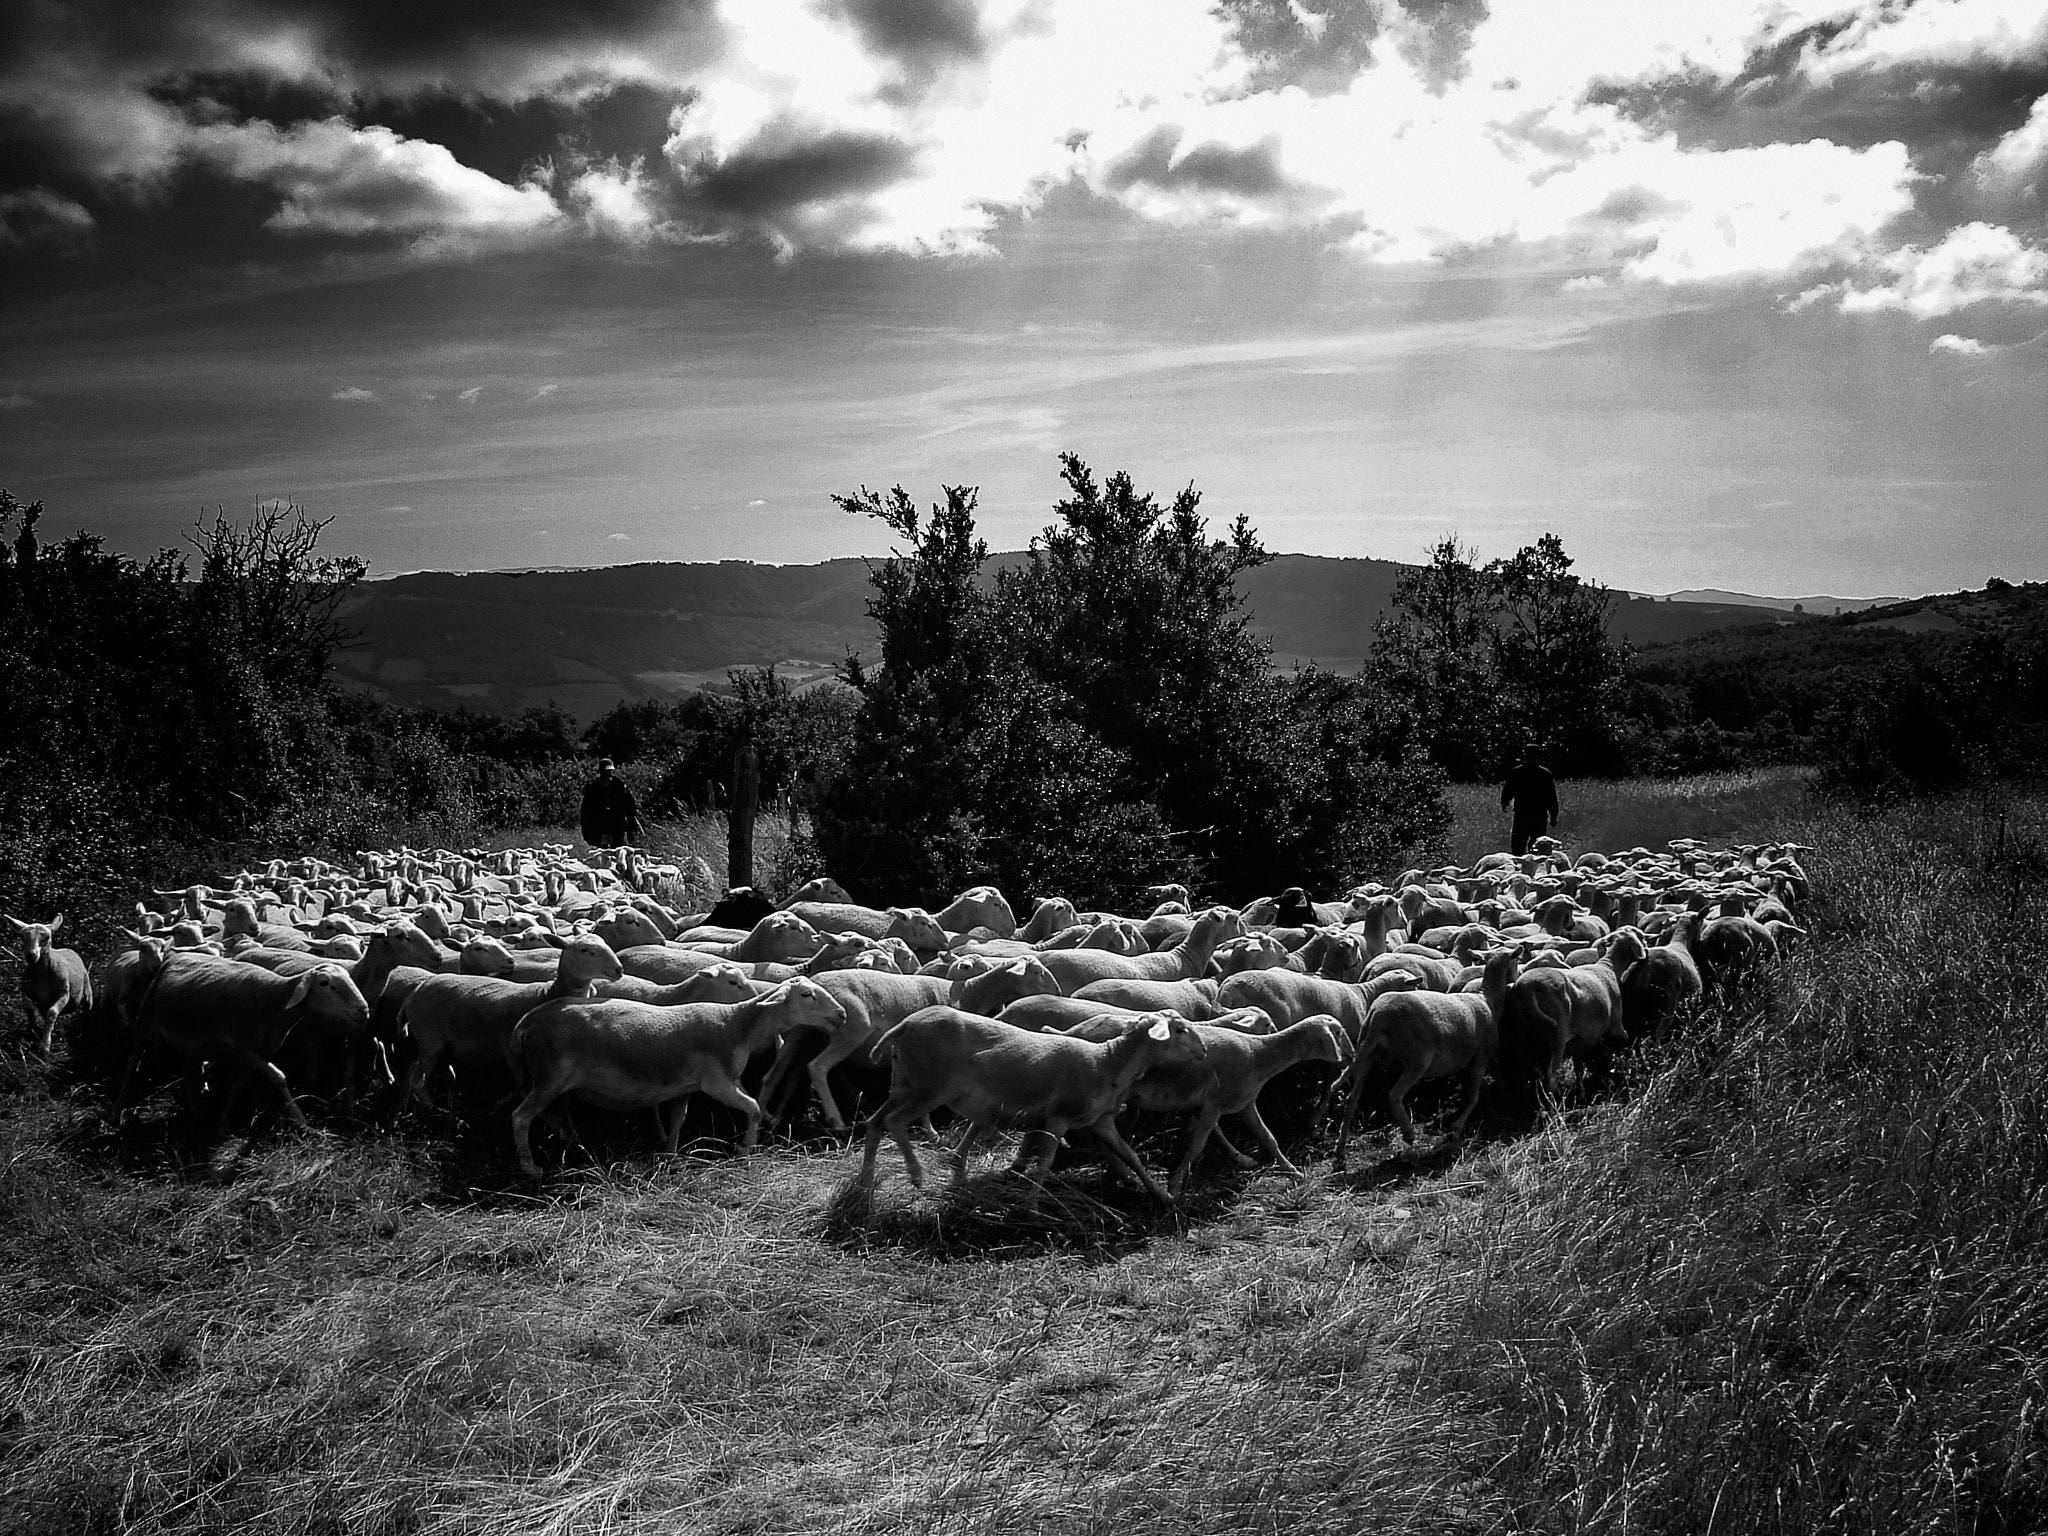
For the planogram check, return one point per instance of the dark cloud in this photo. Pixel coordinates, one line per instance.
(758, 183)
(1321, 59)
(1253, 173)
(917, 33)
(1943, 112)
(1443, 38)
(365, 34)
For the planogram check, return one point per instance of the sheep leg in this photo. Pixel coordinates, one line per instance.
(1397, 1097)
(423, 1064)
(775, 1086)
(726, 1091)
(1198, 1137)
(1358, 1068)
(1250, 1116)
(47, 1019)
(538, 1098)
(964, 1149)
(266, 1071)
(821, 1066)
(879, 1122)
(1475, 1084)
(1106, 1129)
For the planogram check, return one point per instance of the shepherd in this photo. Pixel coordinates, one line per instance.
(1533, 793)
(611, 817)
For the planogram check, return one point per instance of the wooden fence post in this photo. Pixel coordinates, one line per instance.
(746, 796)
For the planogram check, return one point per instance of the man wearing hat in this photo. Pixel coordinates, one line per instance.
(610, 816)
(1533, 793)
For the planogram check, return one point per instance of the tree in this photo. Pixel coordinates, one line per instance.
(1437, 657)
(901, 817)
(1559, 671)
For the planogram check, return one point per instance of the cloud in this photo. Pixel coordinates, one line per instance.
(468, 396)
(17, 401)
(545, 390)
(1950, 32)
(2018, 158)
(353, 393)
(758, 503)
(1976, 263)
(1961, 346)
(340, 179)
(619, 536)
(396, 509)
(40, 219)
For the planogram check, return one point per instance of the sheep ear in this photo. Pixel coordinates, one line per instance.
(17, 923)
(56, 922)
(298, 993)
(1161, 1031)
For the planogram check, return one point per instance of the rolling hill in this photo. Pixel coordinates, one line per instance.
(507, 640)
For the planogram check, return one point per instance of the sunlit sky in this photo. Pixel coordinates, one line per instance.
(1727, 294)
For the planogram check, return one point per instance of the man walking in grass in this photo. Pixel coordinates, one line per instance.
(610, 814)
(1533, 793)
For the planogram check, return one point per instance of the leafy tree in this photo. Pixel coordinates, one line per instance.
(1437, 655)
(1558, 669)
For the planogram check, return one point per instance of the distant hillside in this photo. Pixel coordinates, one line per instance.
(1817, 607)
(1740, 675)
(504, 641)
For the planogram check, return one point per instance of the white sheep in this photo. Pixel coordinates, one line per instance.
(1431, 1034)
(54, 981)
(1075, 968)
(995, 1075)
(209, 1009)
(472, 1017)
(623, 1055)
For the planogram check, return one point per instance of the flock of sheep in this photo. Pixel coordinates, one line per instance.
(542, 979)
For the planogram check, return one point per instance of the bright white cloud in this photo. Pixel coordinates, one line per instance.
(1973, 264)
(2017, 159)
(353, 394)
(1882, 36)
(617, 202)
(344, 180)
(468, 396)
(1961, 346)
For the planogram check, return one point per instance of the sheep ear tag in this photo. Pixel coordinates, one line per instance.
(1161, 1031)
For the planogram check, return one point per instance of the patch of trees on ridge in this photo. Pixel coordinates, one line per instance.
(1093, 717)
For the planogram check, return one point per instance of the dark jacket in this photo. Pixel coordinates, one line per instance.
(1533, 793)
(610, 816)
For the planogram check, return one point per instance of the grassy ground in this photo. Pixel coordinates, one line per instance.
(1789, 1278)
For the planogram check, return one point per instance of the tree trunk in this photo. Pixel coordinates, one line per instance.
(746, 795)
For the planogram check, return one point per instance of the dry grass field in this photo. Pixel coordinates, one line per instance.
(1788, 1276)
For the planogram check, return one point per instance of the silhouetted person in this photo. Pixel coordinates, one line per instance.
(1533, 793)
(610, 816)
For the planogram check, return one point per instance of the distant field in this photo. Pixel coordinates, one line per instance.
(1755, 805)
(1791, 1276)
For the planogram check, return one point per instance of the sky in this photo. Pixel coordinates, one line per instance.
(1726, 294)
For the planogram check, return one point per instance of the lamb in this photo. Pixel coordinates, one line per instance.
(1289, 997)
(397, 943)
(669, 963)
(1253, 952)
(54, 981)
(205, 1008)
(979, 906)
(720, 983)
(874, 1002)
(1431, 1034)
(915, 926)
(1228, 1080)
(1663, 984)
(780, 937)
(1049, 914)
(1076, 968)
(620, 1054)
(472, 1017)
(994, 1074)
(991, 990)
(1575, 1007)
